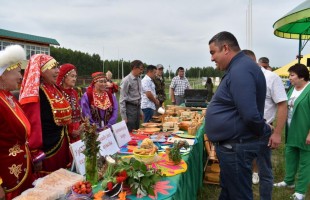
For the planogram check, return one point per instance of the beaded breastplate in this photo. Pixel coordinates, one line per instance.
(60, 106)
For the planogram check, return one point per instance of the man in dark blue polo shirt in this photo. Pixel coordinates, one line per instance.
(234, 119)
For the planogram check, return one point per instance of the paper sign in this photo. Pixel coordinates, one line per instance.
(78, 157)
(121, 133)
(108, 145)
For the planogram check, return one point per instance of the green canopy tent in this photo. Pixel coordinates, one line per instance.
(295, 25)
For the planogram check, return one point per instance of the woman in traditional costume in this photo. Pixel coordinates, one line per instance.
(98, 104)
(48, 112)
(15, 169)
(66, 81)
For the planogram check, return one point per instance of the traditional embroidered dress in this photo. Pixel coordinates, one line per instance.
(72, 97)
(49, 113)
(101, 109)
(15, 167)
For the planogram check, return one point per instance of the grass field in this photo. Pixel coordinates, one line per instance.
(211, 192)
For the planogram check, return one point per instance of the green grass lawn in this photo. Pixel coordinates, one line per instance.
(211, 192)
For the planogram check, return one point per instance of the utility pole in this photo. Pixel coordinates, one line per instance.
(122, 68)
(249, 27)
(169, 73)
(118, 64)
(103, 59)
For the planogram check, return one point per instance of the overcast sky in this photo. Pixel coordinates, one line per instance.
(171, 32)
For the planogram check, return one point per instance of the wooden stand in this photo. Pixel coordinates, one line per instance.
(212, 167)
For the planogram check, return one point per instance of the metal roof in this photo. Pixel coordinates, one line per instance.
(27, 37)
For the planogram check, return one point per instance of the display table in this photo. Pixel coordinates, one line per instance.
(187, 184)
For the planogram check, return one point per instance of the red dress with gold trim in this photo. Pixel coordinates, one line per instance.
(16, 166)
(48, 119)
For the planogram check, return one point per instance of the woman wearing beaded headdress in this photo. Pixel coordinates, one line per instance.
(98, 104)
(15, 168)
(48, 112)
(66, 81)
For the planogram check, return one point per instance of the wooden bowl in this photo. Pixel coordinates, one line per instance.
(149, 130)
(150, 125)
(184, 125)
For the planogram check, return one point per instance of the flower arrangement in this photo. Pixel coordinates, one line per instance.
(89, 137)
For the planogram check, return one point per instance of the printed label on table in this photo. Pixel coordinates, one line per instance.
(121, 133)
(78, 157)
(108, 145)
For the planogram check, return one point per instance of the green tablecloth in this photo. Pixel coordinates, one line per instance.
(190, 182)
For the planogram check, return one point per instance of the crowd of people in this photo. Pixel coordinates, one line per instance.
(240, 122)
(37, 128)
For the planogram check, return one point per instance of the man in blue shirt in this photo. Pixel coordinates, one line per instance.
(234, 120)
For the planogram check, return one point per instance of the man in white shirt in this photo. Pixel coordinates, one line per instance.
(275, 106)
(148, 96)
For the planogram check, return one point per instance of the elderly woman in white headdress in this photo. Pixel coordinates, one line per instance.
(15, 169)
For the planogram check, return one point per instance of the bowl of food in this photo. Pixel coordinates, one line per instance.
(82, 189)
(146, 152)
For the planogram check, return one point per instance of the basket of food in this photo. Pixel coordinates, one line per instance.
(146, 152)
(184, 125)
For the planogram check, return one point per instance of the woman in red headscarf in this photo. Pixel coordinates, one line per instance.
(111, 86)
(66, 81)
(15, 168)
(98, 104)
(48, 112)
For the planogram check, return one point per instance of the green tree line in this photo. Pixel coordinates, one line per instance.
(87, 64)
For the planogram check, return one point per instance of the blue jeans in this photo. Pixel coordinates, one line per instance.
(236, 169)
(265, 170)
(148, 114)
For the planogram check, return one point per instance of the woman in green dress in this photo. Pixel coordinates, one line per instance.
(297, 150)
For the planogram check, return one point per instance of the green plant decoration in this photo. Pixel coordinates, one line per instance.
(89, 137)
(174, 152)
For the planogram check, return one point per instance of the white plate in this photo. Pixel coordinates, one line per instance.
(179, 132)
(158, 140)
